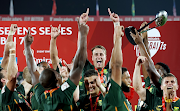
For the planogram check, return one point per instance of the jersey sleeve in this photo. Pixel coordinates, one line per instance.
(20, 89)
(68, 89)
(115, 95)
(38, 90)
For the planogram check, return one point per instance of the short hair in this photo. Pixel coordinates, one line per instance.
(100, 47)
(169, 75)
(164, 66)
(90, 72)
(48, 78)
(41, 62)
(124, 69)
(1, 76)
(26, 75)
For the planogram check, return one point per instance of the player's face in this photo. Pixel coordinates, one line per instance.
(160, 69)
(126, 78)
(90, 84)
(169, 83)
(98, 58)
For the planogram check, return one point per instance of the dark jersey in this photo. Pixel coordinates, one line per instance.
(155, 103)
(84, 102)
(115, 99)
(58, 98)
(14, 101)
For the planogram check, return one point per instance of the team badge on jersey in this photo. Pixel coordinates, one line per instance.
(64, 86)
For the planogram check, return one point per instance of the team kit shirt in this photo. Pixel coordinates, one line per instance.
(56, 99)
(115, 99)
(155, 103)
(34, 104)
(153, 90)
(85, 104)
(104, 74)
(14, 100)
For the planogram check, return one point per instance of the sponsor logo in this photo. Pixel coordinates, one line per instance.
(154, 42)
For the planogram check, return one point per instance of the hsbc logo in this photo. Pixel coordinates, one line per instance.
(154, 42)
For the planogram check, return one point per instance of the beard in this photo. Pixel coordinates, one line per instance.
(125, 88)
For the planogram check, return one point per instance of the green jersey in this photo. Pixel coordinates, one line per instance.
(88, 66)
(57, 98)
(152, 88)
(14, 101)
(155, 103)
(84, 102)
(34, 104)
(115, 99)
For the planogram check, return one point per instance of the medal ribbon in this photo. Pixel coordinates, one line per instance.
(50, 91)
(25, 101)
(102, 74)
(90, 98)
(132, 94)
(163, 102)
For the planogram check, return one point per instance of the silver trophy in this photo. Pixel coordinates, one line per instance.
(160, 20)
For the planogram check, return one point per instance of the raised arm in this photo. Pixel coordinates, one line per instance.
(5, 59)
(32, 67)
(145, 41)
(149, 64)
(82, 20)
(137, 81)
(116, 56)
(81, 54)
(12, 68)
(115, 18)
(55, 32)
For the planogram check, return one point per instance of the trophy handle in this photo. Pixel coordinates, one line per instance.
(148, 29)
(146, 26)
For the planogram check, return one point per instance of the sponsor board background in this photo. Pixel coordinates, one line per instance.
(101, 33)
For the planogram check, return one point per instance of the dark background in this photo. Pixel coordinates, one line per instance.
(76, 7)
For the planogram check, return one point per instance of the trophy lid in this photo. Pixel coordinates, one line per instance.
(161, 18)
